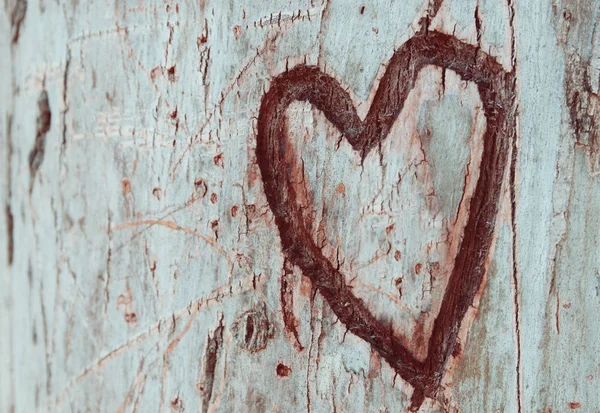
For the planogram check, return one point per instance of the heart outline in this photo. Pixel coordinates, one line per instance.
(496, 89)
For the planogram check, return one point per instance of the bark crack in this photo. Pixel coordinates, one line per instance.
(65, 96)
(213, 349)
(433, 7)
(43, 123)
(290, 321)
(513, 209)
(17, 16)
(478, 27)
(10, 238)
(321, 27)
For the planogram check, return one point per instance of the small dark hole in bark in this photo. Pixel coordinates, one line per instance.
(283, 370)
(171, 73)
(249, 329)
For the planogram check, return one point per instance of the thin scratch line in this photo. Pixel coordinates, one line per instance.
(172, 225)
(245, 285)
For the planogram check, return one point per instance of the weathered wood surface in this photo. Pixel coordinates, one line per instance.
(141, 265)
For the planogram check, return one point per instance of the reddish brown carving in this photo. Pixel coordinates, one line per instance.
(304, 83)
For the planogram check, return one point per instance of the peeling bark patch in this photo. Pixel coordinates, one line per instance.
(457, 350)
(432, 9)
(374, 365)
(576, 29)
(177, 405)
(308, 83)
(44, 119)
(574, 405)
(252, 329)
(16, 18)
(213, 349)
(218, 160)
(290, 323)
(582, 103)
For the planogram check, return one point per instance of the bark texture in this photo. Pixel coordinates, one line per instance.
(305, 205)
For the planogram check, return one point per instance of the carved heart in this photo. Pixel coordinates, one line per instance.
(304, 83)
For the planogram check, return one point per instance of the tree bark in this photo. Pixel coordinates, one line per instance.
(306, 205)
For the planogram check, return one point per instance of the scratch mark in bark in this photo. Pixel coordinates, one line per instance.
(231, 86)
(172, 225)
(290, 322)
(357, 286)
(285, 18)
(142, 387)
(170, 348)
(213, 349)
(269, 45)
(138, 383)
(44, 119)
(149, 223)
(215, 297)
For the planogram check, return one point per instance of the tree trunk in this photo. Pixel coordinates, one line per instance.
(306, 205)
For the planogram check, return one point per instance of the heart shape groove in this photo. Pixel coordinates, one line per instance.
(496, 88)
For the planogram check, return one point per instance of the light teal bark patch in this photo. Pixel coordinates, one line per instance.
(444, 128)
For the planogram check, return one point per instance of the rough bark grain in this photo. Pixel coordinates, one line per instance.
(306, 205)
